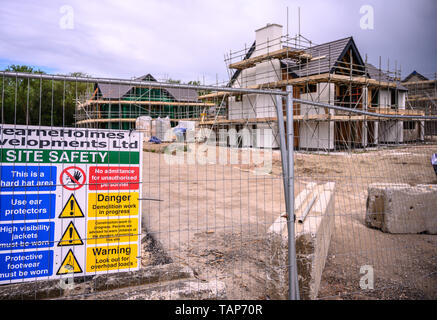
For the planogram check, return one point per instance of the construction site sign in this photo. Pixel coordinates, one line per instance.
(69, 202)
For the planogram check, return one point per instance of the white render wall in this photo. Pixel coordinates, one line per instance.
(260, 106)
(364, 138)
(268, 71)
(402, 99)
(268, 39)
(317, 135)
(384, 98)
(266, 135)
(391, 131)
(244, 109)
(422, 130)
(246, 78)
(376, 133)
(410, 135)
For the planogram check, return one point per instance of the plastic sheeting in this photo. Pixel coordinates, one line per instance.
(434, 162)
(145, 125)
(163, 129)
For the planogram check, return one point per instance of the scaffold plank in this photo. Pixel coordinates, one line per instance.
(278, 54)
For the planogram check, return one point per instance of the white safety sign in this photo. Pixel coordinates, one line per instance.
(69, 202)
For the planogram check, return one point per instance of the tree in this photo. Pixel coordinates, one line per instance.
(39, 102)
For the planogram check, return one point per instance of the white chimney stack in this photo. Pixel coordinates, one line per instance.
(268, 39)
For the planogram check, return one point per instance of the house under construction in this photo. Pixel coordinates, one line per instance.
(422, 95)
(113, 106)
(333, 73)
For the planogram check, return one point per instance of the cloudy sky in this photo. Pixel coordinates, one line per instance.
(187, 39)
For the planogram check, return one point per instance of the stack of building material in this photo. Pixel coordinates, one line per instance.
(434, 162)
(145, 125)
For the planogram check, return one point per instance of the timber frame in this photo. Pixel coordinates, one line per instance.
(356, 85)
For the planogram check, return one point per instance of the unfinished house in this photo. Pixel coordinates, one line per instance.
(422, 95)
(118, 106)
(332, 73)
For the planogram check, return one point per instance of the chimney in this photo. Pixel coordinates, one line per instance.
(268, 39)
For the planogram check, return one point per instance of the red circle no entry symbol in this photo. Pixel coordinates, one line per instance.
(72, 178)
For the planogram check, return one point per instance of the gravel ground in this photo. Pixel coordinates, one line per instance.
(213, 218)
(228, 209)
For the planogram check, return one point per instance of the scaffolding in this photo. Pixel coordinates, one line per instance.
(332, 73)
(115, 106)
(422, 95)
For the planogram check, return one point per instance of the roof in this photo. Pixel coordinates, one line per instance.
(323, 63)
(415, 76)
(325, 58)
(378, 75)
(247, 56)
(269, 25)
(115, 91)
(183, 95)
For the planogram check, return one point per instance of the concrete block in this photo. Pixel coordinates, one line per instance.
(147, 275)
(90, 286)
(178, 290)
(313, 237)
(401, 208)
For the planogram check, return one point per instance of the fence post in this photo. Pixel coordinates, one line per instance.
(283, 147)
(288, 177)
(293, 282)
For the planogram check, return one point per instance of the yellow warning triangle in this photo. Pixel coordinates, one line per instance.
(71, 209)
(69, 265)
(70, 237)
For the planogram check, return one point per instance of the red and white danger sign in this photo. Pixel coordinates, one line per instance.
(73, 178)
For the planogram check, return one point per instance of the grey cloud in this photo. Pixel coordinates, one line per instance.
(188, 39)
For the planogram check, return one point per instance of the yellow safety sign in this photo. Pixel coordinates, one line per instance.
(70, 237)
(71, 209)
(113, 204)
(69, 265)
(111, 257)
(112, 230)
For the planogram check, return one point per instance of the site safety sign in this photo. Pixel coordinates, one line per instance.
(69, 202)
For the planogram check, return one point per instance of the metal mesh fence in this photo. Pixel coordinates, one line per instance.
(143, 191)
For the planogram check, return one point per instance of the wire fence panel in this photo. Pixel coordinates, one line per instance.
(190, 222)
(137, 189)
(379, 242)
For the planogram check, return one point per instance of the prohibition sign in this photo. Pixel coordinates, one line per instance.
(74, 178)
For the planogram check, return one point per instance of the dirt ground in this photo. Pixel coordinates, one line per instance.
(214, 217)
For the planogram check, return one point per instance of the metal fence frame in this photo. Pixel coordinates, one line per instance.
(286, 140)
